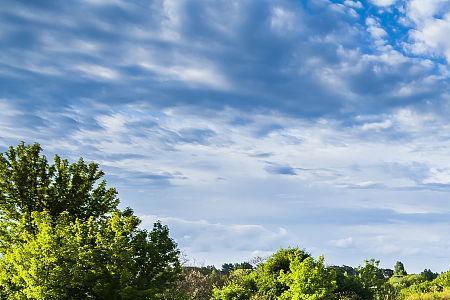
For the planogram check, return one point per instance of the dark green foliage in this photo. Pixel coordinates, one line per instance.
(429, 275)
(349, 286)
(399, 269)
(227, 268)
(387, 273)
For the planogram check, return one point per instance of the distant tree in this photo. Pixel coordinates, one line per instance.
(63, 237)
(227, 268)
(205, 270)
(244, 265)
(387, 273)
(345, 270)
(399, 269)
(263, 282)
(429, 275)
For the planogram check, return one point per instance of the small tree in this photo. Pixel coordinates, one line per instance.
(399, 269)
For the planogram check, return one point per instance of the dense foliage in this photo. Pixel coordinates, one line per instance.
(62, 235)
(294, 274)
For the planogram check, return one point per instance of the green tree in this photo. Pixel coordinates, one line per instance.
(63, 237)
(268, 273)
(349, 285)
(241, 285)
(399, 269)
(28, 183)
(309, 279)
(264, 282)
(374, 282)
(429, 275)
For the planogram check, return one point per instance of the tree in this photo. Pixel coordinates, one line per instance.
(399, 269)
(28, 182)
(196, 284)
(429, 275)
(374, 282)
(387, 273)
(227, 268)
(309, 279)
(63, 237)
(264, 282)
(348, 284)
(241, 285)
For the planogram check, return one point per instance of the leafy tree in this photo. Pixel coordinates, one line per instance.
(443, 280)
(374, 282)
(309, 279)
(350, 271)
(28, 183)
(429, 275)
(265, 281)
(227, 268)
(63, 237)
(241, 286)
(387, 273)
(402, 282)
(197, 283)
(349, 286)
(268, 274)
(399, 269)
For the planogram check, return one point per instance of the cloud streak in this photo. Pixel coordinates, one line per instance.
(246, 125)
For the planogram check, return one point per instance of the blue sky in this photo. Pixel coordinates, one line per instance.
(248, 125)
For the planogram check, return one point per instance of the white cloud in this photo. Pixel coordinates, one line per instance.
(377, 125)
(353, 4)
(359, 165)
(342, 243)
(376, 31)
(98, 72)
(189, 162)
(192, 71)
(431, 24)
(383, 3)
(200, 236)
(283, 20)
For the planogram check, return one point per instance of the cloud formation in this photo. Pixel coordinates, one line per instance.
(320, 123)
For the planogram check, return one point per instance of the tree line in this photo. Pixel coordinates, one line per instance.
(63, 236)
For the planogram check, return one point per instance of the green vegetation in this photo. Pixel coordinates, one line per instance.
(62, 236)
(294, 274)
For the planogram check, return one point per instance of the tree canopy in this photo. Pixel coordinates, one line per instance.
(63, 236)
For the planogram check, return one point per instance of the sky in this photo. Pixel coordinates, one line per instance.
(247, 126)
